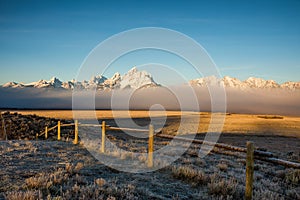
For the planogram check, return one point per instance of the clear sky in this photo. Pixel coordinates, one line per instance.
(41, 39)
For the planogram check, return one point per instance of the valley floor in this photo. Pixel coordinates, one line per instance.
(41, 169)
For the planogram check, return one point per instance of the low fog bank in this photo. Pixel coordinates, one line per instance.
(264, 101)
(256, 101)
(35, 98)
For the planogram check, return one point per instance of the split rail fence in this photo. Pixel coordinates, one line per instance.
(251, 153)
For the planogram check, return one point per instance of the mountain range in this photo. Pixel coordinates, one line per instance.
(249, 83)
(135, 79)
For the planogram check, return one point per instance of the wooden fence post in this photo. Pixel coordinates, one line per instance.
(46, 132)
(4, 129)
(150, 146)
(9, 129)
(58, 130)
(103, 137)
(249, 171)
(1, 127)
(76, 132)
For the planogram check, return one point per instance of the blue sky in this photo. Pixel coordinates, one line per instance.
(41, 39)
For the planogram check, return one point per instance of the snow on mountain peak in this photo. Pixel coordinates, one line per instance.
(53, 79)
(12, 84)
(114, 81)
(251, 82)
(132, 71)
(261, 83)
(290, 85)
(233, 82)
(136, 79)
(55, 82)
(205, 81)
(96, 80)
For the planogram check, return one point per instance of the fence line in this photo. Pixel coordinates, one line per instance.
(251, 154)
(65, 125)
(259, 155)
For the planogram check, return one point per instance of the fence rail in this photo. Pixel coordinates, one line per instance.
(220, 145)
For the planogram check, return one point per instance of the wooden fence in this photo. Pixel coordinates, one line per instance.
(58, 127)
(259, 155)
(251, 153)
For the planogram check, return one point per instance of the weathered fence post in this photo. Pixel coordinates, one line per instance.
(9, 129)
(249, 171)
(4, 129)
(150, 146)
(76, 132)
(58, 130)
(103, 137)
(1, 127)
(46, 132)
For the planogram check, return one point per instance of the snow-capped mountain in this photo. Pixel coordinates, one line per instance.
(261, 83)
(12, 85)
(233, 83)
(135, 79)
(55, 82)
(251, 82)
(113, 82)
(290, 85)
(132, 79)
(210, 80)
(68, 84)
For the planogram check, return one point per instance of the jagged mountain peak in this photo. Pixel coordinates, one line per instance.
(132, 70)
(136, 79)
(53, 79)
(11, 84)
(251, 82)
(132, 79)
(261, 83)
(97, 79)
(55, 82)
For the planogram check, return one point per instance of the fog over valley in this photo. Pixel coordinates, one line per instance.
(256, 101)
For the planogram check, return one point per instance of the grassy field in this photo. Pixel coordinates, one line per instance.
(234, 123)
(46, 169)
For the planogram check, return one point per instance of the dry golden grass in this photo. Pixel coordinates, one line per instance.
(101, 114)
(234, 123)
(245, 123)
(196, 176)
